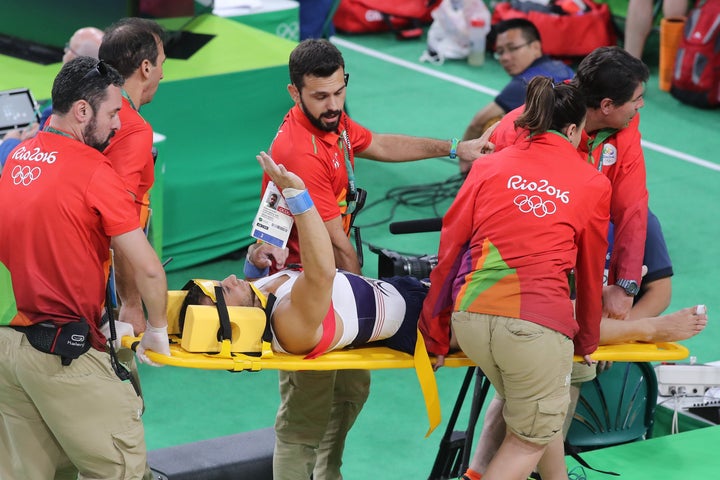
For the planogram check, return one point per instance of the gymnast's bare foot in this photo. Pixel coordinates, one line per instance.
(679, 325)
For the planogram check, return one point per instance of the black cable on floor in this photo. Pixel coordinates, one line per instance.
(423, 195)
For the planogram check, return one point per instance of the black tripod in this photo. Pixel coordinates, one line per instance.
(455, 449)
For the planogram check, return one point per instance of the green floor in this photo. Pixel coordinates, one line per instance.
(390, 91)
(680, 457)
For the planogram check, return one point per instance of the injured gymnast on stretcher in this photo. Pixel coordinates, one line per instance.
(319, 309)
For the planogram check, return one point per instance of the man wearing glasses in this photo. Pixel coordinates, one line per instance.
(519, 51)
(85, 42)
(64, 408)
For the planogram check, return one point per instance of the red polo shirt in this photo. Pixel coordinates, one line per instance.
(318, 157)
(130, 153)
(63, 201)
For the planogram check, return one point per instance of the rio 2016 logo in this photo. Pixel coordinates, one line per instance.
(34, 155)
(516, 182)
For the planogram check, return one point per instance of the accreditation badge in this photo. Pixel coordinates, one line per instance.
(609, 155)
(273, 220)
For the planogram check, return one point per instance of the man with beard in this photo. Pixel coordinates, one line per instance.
(318, 142)
(64, 409)
(134, 47)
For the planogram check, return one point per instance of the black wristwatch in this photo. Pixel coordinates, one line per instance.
(631, 287)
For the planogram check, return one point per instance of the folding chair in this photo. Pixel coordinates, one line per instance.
(616, 407)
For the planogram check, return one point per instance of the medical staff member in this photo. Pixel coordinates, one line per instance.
(134, 47)
(62, 403)
(319, 142)
(523, 219)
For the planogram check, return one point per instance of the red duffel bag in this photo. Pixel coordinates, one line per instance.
(567, 35)
(404, 17)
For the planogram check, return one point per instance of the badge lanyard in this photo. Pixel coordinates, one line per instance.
(593, 143)
(127, 97)
(59, 132)
(351, 197)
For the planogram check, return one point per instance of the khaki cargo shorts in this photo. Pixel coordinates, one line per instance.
(528, 364)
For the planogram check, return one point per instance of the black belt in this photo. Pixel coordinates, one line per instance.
(68, 341)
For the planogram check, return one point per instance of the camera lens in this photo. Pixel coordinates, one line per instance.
(419, 267)
(391, 264)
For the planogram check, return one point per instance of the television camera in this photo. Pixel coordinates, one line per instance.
(392, 263)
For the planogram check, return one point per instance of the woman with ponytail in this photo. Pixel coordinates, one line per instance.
(528, 226)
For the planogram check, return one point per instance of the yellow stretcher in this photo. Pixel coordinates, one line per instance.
(375, 358)
(379, 358)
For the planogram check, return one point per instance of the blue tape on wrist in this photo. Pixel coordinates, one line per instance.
(453, 147)
(300, 203)
(251, 271)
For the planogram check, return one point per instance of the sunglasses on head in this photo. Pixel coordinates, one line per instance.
(99, 70)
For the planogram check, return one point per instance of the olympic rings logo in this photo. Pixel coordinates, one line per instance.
(535, 204)
(289, 31)
(23, 174)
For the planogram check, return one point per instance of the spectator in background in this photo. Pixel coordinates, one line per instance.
(639, 21)
(84, 42)
(518, 48)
